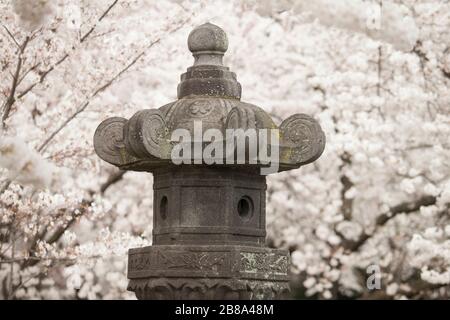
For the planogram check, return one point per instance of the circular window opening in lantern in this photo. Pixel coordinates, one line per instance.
(245, 208)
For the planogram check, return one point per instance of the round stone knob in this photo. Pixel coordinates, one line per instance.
(208, 38)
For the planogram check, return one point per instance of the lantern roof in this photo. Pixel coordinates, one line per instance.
(208, 99)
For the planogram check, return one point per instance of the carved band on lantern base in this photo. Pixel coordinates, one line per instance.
(208, 272)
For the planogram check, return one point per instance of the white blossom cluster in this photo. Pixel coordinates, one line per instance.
(384, 20)
(375, 74)
(23, 164)
(432, 255)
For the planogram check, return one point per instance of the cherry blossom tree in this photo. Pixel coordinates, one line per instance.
(374, 73)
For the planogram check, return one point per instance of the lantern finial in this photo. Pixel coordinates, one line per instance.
(208, 43)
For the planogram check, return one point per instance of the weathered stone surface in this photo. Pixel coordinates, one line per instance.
(302, 140)
(145, 135)
(146, 139)
(211, 261)
(208, 272)
(207, 38)
(208, 289)
(210, 93)
(209, 220)
(194, 205)
(109, 142)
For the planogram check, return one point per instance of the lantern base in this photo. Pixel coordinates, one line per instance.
(208, 272)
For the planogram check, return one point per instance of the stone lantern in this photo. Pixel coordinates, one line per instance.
(209, 219)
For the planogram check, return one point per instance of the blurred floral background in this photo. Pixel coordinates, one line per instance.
(374, 73)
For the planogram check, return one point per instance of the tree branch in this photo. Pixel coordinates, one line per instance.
(11, 36)
(87, 34)
(45, 73)
(113, 178)
(87, 102)
(5, 186)
(42, 76)
(12, 92)
(103, 88)
(379, 69)
(405, 207)
(347, 184)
